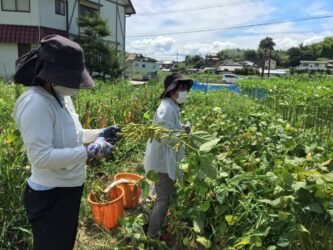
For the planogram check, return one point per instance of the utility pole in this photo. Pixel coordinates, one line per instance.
(177, 58)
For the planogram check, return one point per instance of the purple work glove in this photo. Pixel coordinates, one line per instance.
(110, 134)
(99, 148)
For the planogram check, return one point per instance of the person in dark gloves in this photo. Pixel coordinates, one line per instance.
(160, 156)
(55, 140)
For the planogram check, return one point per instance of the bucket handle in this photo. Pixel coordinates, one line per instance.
(118, 182)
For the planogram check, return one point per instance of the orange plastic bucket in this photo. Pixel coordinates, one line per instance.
(108, 213)
(132, 192)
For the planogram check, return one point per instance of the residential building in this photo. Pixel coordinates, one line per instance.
(167, 66)
(230, 66)
(313, 65)
(24, 22)
(272, 63)
(330, 65)
(137, 63)
(209, 70)
(212, 59)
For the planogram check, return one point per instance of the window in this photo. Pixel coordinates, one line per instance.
(317, 65)
(305, 64)
(15, 5)
(143, 65)
(23, 49)
(87, 11)
(60, 7)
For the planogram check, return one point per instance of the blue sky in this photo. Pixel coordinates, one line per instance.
(225, 13)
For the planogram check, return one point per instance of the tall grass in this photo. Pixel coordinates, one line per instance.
(306, 102)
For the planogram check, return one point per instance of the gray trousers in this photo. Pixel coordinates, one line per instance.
(164, 189)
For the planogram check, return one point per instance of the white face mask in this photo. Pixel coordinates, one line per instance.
(64, 91)
(182, 97)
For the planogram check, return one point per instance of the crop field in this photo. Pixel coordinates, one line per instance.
(257, 173)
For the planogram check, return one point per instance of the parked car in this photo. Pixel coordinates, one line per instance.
(230, 78)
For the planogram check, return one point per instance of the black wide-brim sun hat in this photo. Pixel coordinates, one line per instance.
(57, 60)
(178, 80)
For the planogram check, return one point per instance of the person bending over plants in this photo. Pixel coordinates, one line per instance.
(161, 157)
(54, 139)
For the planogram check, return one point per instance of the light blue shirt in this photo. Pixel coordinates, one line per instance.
(160, 156)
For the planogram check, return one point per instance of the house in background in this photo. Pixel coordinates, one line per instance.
(212, 60)
(167, 66)
(137, 63)
(330, 66)
(23, 23)
(272, 62)
(313, 66)
(230, 66)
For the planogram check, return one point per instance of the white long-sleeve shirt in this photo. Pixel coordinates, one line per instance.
(53, 137)
(160, 156)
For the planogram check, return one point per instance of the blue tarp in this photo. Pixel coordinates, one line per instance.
(211, 87)
(253, 92)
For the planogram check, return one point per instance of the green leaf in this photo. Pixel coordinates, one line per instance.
(208, 146)
(186, 241)
(203, 241)
(242, 242)
(315, 208)
(271, 248)
(201, 187)
(283, 216)
(297, 185)
(140, 169)
(204, 206)
(301, 228)
(145, 189)
(283, 242)
(208, 165)
(153, 176)
(200, 137)
(231, 219)
(198, 225)
(222, 228)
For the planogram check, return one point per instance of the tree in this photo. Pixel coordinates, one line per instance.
(267, 45)
(100, 55)
(295, 56)
(195, 61)
(250, 55)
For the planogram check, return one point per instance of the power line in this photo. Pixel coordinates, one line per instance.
(194, 9)
(232, 27)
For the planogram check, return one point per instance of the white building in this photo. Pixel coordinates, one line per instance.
(24, 22)
(230, 66)
(272, 64)
(313, 65)
(167, 66)
(137, 63)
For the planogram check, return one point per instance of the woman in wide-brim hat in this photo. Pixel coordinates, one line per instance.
(160, 156)
(54, 139)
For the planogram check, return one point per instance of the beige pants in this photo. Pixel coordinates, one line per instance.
(164, 189)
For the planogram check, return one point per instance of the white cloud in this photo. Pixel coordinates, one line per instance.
(160, 44)
(286, 43)
(317, 9)
(312, 40)
(196, 43)
(285, 35)
(205, 48)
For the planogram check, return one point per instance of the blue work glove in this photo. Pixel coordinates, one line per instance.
(186, 128)
(110, 134)
(99, 148)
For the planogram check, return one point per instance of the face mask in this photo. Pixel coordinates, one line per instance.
(64, 91)
(182, 97)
